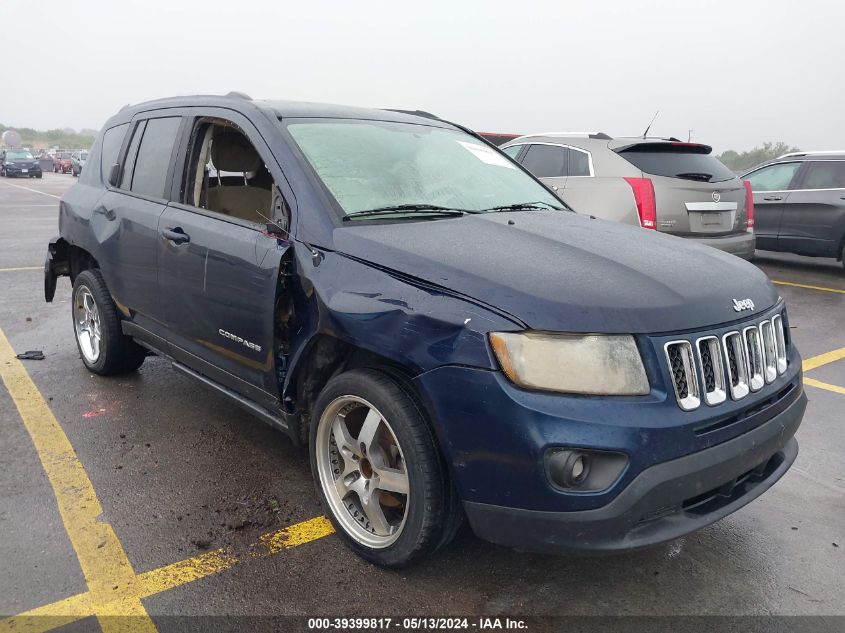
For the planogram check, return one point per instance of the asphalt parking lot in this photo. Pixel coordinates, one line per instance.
(152, 496)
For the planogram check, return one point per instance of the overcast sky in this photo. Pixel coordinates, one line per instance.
(736, 72)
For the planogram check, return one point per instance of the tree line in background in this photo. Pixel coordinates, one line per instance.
(46, 139)
(742, 161)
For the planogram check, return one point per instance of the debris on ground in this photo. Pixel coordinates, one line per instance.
(33, 354)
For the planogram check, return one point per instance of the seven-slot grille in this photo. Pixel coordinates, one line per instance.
(742, 361)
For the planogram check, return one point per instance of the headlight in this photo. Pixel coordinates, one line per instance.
(596, 364)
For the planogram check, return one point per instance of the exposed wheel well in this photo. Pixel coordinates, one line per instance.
(326, 357)
(79, 260)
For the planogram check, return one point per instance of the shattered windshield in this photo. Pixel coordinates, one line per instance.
(376, 165)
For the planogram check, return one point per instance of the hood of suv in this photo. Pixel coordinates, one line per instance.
(563, 272)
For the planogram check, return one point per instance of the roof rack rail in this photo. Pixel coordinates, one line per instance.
(238, 94)
(595, 135)
(826, 152)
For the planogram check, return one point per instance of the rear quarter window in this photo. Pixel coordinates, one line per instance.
(687, 162)
(112, 141)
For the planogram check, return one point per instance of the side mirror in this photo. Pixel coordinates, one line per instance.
(114, 173)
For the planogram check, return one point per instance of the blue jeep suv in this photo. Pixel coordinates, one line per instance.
(446, 338)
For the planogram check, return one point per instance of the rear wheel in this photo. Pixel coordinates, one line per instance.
(377, 468)
(103, 347)
(842, 256)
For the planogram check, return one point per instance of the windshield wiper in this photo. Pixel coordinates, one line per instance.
(414, 209)
(695, 175)
(523, 205)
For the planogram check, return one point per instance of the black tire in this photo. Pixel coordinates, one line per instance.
(118, 353)
(432, 508)
(39, 176)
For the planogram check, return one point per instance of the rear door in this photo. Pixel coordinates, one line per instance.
(771, 186)
(813, 219)
(125, 221)
(695, 194)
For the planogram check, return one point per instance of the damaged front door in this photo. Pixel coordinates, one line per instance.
(219, 267)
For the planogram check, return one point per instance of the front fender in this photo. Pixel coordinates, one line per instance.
(415, 326)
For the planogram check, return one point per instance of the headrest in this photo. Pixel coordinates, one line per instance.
(230, 151)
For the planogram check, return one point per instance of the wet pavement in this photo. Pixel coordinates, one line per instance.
(181, 473)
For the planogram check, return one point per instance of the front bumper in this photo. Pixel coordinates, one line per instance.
(742, 245)
(663, 502)
(18, 171)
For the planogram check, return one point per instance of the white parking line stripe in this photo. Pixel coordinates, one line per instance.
(43, 193)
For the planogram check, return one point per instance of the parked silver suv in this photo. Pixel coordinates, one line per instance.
(662, 184)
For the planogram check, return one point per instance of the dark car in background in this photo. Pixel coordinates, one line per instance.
(800, 203)
(19, 163)
(660, 184)
(447, 339)
(63, 161)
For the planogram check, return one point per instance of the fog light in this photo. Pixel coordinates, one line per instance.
(580, 470)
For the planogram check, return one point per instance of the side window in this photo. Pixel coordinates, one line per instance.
(225, 174)
(131, 154)
(827, 174)
(546, 161)
(579, 163)
(512, 151)
(773, 178)
(153, 161)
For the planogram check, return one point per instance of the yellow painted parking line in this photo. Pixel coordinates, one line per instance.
(818, 384)
(823, 359)
(808, 286)
(50, 616)
(112, 585)
(171, 576)
(21, 269)
(191, 569)
(43, 193)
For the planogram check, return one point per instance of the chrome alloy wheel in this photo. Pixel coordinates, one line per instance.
(86, 321)
(362, 471)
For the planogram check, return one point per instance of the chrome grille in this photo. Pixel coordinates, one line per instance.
(712, 369)
(741, 362)
(684, 378)
(769, 345)
(780, 342)
(737, 364)
(753, 357)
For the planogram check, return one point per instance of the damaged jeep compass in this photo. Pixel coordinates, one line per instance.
(447, 339)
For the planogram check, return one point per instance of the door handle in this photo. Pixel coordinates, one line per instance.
(176, 235)
(773, 198)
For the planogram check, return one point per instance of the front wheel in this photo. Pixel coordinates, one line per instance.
(103, 347)
(377, 469)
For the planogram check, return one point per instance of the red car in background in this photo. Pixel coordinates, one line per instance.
(61, 162)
